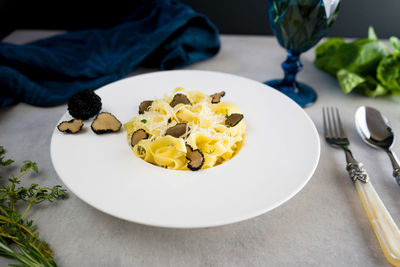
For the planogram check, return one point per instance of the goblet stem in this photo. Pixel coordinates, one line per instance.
(301, 93)
(291, 67)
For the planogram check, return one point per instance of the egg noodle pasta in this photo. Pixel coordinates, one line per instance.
(168, 128)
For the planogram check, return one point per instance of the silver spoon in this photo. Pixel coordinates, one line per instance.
(375, 130)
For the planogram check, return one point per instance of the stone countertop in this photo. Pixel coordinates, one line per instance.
(323, 225)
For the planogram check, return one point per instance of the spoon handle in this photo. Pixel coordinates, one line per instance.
(396, 175)
(382, 222)
(396, 165)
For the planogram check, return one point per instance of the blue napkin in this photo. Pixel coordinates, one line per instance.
(164, 34)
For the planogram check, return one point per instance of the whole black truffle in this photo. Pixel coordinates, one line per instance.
(84, 105)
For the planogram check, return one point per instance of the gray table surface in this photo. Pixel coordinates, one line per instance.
(323, 225)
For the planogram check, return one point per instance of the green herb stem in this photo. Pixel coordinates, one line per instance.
(33, 200)
(23, 173)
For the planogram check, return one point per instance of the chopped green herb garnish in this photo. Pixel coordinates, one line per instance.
(141, 151)
(144, 121)
(211, 151)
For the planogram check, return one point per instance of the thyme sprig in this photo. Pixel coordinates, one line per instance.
(18, 236)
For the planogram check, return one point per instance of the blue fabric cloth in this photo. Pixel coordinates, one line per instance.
(164, 34)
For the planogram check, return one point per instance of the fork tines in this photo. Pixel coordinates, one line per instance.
(333, 127)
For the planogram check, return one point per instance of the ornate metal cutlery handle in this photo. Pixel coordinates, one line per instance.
(385, 228)
(357, 172)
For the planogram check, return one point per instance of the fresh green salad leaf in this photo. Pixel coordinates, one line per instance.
(388, 73)
(395, 43)
(349, 80)
(365, 65)
(369, 53)
(372, 34)
(371, 87)
(328, 58)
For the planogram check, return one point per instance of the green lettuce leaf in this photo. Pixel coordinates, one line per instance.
(372, 88)
(324, 53)
(360, 56)
(368, 85)
(395, 43)
(372, 34)
(348, 80)
(369, 53)
(388, 72)
(365, 65)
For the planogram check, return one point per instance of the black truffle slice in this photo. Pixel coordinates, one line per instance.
(84, 105)
(105, 123)
(176, 131)
(179, 99)
(137, 136)
(216, 98)
(195, 157)
(144, 106)
(233, 119)
(72, 126)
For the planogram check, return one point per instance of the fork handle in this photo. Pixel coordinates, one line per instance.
(382, 222)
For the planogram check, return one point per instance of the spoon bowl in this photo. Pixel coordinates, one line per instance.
(375, 130)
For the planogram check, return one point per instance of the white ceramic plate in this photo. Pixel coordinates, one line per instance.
(280, 154)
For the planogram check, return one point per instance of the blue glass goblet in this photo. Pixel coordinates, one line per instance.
(299, 25)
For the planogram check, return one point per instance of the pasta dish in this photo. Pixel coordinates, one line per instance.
(187, 130)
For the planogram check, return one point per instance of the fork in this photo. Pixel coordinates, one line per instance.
(385, 228)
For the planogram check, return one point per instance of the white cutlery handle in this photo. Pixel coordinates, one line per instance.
(384, 227)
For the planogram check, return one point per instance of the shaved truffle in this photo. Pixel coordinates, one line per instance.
(84, 105)
(144, 106)
(195, 157)
(137, 136)
(233, 119)
(72, 126)
(176, 131)
(180, 99)
(105, 123)
(216, 98)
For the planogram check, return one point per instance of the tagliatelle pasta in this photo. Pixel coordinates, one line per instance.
(193, 123)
